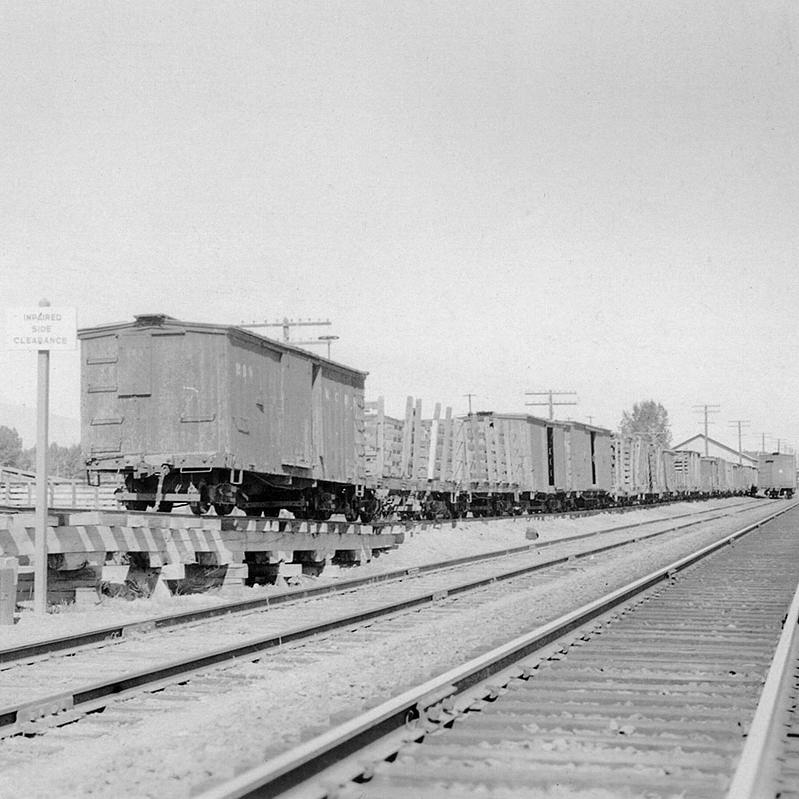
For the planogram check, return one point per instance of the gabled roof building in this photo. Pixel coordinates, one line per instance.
(715, 449)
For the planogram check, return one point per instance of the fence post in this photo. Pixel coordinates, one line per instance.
(8, 589)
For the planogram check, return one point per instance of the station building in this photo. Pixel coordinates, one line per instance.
(715, 449)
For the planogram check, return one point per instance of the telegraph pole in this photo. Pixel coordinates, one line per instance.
(707, 409)
(287, 323)
(550, 401)
(763, 441)
(470, 401)
(739, 423)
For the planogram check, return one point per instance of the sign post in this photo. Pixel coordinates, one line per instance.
(42, 444)
(42, 329)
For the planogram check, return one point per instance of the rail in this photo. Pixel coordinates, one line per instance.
(307, 761)
(119, 631)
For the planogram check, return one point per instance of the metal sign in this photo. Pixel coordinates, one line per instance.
(42, 328)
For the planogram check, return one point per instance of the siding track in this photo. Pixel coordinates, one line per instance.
(61, 688)
(118, 632)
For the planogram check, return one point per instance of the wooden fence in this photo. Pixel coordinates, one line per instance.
(71, 494)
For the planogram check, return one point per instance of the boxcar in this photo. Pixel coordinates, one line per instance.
(216, 415)
(687, 478)
(776, 474)
(744, 477)
(588, 459)
(528, 463)
(709, 475)
(632, 469)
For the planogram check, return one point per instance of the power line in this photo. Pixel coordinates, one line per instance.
(707, 409)
(550, 401)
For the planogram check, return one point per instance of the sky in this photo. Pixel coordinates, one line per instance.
(487, 198)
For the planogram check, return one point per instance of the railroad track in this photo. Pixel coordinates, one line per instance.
(648, 691)
(244, 677)
(137, 627)
(621, 509)
(769, 764)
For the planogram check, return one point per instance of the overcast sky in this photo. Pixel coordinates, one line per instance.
(482, 197)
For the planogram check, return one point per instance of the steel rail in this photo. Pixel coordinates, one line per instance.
(117, 632)
(95, 695)
(622, 509)
(306, 761)
(754, 777)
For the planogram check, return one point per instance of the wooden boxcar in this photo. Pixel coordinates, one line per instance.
(709, 475)
(211, 414)
(588, 459)
(686, 471)
(528, 463)
(485, 462)
(632, 469)
(776, 474)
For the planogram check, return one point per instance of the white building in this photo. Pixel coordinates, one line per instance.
(715, 449)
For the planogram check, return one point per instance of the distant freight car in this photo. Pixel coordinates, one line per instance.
(635, 469)
(487, 463)
(516, 463)
(776, 474)
(212, 415)
(685, 465)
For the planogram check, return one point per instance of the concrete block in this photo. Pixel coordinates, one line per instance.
(161, 589)
(113, 573)
(173, 571)
(290, 570)
(237, 571)
(86, 597)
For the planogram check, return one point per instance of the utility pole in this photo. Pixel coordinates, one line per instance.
(550, 401)
(470, 401)
(740, 423)
(707, 409)
(763, 441)
(287, 323)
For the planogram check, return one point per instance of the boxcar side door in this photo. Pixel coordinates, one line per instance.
(297, 411)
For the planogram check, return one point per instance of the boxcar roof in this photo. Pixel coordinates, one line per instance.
(538, 420)
(155, 321)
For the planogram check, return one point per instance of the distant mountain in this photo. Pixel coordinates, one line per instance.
(22, 418)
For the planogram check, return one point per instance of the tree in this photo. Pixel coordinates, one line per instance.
(647, 418)
(10, 447)
(61, 461)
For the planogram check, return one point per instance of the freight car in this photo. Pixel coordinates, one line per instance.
(217, 416)
(776, 474)
(485, 463)
(211, 415)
